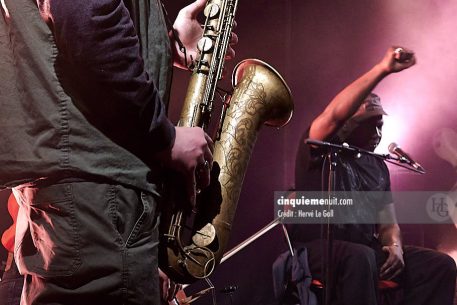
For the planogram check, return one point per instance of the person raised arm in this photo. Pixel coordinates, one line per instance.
(346, 103)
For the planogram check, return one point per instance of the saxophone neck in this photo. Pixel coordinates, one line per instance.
(208, 68)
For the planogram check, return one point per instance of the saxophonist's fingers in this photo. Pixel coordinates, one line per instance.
(203, 174)
(205, 166)
(230, 53)
(233, 39)
(230, 50)
(210, 145)
(192, 188)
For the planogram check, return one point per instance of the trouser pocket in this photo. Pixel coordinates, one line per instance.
(145, 228)
(47, 240)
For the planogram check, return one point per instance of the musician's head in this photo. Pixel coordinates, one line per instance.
(364, 128)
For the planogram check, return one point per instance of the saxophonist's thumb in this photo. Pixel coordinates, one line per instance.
(193, 9)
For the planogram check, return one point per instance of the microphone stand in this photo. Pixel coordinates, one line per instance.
(333, 159)
(333, 154)
(398, 161)
(401, 163)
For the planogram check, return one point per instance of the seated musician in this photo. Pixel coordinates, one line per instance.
(362, 253)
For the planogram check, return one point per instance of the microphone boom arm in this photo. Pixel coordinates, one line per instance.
(396, 160)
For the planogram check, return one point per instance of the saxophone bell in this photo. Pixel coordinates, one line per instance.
(192, 244)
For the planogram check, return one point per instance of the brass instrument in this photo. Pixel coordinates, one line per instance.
(260, 96)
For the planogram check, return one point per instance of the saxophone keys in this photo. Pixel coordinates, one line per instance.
(204, 236)
(205, 44)
(212, 10)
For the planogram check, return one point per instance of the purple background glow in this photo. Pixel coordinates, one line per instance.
(319, 47)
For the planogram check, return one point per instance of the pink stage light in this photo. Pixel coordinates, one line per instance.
(424, 97)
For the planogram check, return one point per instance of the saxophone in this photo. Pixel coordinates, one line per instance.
(192, 245)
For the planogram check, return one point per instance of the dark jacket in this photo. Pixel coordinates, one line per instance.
(292, 278)
(77, 98)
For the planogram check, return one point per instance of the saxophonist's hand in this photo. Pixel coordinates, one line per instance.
(190, 31)
(168, 288)
(192, 157)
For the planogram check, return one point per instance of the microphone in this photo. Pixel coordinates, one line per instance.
(401, 55)
(395, 149)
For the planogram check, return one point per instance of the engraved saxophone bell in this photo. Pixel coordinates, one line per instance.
(260, 96)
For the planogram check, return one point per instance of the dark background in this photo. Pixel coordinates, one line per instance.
(319, 47)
